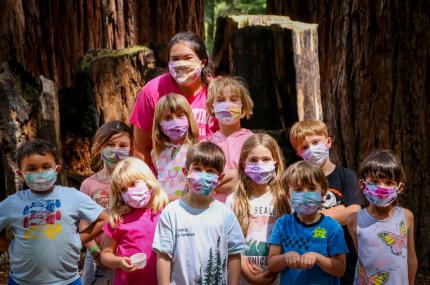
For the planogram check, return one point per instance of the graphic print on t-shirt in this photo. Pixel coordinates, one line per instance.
(40, 219)
(101, 197)
(213, 273)
(396, 242)
(332, 199)
(261, 223)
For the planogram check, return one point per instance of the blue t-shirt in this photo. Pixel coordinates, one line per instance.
(324, 236)
(46, 245)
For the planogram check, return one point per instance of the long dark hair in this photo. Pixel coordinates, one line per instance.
(196, 43)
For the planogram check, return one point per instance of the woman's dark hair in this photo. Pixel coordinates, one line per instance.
(381, 164)
(196, 43)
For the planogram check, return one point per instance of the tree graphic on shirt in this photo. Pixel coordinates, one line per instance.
(213, 274)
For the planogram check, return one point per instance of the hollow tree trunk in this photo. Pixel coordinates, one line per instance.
(374, 61)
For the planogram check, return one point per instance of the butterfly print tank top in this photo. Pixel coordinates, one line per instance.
(382, 249)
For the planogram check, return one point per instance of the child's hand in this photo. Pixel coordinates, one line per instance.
(292, 259)
(308, 260)
(255, 270)
(125, 264)
(265, 278)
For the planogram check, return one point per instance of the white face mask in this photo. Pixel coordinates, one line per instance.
(185, 72)
(317, 154)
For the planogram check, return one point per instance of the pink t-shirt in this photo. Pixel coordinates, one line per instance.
(231, 146)
(134, 235)
(97, 190)
(142, 114)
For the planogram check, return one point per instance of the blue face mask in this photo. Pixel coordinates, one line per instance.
(202, 183)
(41, 181)
(306, 203)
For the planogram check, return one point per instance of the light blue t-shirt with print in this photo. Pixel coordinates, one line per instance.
(46, 245)
(324, 236)
(198, 241)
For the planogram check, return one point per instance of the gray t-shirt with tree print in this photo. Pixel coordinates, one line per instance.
(198, 241)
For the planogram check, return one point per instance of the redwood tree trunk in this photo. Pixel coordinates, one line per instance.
(374, 62)
(48, 36)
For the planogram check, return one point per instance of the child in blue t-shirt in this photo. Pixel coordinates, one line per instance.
(44, 220)
(306, 246)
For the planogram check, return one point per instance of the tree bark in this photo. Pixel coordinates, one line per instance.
(374, 58)
(48, 36)
(279, 60)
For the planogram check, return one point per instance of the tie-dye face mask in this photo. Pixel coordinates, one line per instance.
(317, 154)
(227, 112)
(185, 72)
(175, 129)
(380, 196)
(41, 181)
(305, 203)
(112, 155)
(260, 173)
(202, 183)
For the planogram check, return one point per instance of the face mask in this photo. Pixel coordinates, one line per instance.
(380, 196)
(227, 112)
(137, 196)
(175, 129)
(202, 183)
(316, 154)
(185, 72)
(306, 203)
(40, 181)
(112, 155)
(260, 173)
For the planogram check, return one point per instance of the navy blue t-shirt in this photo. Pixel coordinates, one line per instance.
(324, 236)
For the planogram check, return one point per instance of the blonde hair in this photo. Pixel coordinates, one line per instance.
(300, 130)
(217, 86)
(101, 138)
(305, 174)
(242, 192)
(172, 103)
(126, 172)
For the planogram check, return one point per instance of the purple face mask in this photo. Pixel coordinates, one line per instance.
(137, 196)
(380, 196)
(260, 173)
(175, 129)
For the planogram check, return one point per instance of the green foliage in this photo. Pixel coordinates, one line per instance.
(216, 8)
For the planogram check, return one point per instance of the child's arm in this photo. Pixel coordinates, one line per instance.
(95, 229)
(255, 274)
(4, 243)
(412, 257)
(340, 213)
(352, 228)
(92, 246)
(111, 260)
(333, 265)
(279, 261)
(233, 269)
(164, 267)
(142, 149)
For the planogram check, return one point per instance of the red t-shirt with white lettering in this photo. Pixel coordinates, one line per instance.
(142, 115)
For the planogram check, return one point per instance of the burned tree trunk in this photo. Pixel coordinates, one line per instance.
(374, 61)
(279, 60)
(48, 37)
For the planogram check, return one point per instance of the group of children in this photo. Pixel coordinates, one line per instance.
(222, 211)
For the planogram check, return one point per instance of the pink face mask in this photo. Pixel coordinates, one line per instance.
(227, 112)
(175, 129)
(137, 196)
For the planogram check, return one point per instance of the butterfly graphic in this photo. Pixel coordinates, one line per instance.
(396, 242)
(379, 278)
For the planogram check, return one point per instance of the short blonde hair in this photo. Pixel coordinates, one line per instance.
(217, 86)
(300, 130)
(127, 171)
(305, 174)
(172, 103)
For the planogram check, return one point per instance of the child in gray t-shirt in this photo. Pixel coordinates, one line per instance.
(44, 220)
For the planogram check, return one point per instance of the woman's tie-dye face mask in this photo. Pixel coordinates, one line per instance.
(227, 112)
(185, 72)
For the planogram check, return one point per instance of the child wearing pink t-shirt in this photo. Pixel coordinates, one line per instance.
(112, 142)
(229, 101)
(136, 201)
